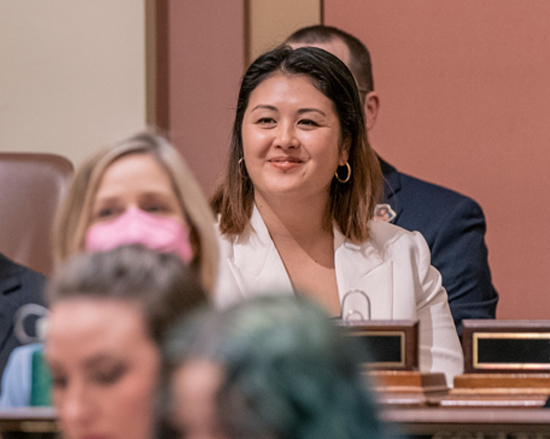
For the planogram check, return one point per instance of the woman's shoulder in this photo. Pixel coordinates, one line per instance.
(390, 239)
(227, 242)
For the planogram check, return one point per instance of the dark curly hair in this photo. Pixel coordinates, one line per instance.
(288, 372)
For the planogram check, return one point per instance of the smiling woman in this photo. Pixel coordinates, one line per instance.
(297, 203)
(289, 111)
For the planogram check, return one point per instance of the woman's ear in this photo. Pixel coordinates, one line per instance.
(344, 153)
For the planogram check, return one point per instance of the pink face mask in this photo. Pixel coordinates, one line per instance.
(135, 226)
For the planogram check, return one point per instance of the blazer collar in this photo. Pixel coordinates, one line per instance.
(258, 268)
(10, 278)
(256, 264)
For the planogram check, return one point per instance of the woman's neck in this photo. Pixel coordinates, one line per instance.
(298, 220)
(305, 244)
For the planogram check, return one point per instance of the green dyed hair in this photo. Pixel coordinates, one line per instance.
(288, 372)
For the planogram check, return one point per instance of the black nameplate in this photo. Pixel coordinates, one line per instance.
(511, 351)
(383, 349)
(506, 346)
(387, 344)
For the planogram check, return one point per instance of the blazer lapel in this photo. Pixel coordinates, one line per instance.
(360, 267)
(258, 269)
(256, 264)
(10, 282)
(392, 186)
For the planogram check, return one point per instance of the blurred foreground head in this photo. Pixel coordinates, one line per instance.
(108, 312)
(268, 368)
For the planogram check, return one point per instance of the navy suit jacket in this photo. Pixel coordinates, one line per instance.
(18, 286)
(454, 227)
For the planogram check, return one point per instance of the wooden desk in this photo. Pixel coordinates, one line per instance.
(28, 422)
(442, 423)
(464, 423)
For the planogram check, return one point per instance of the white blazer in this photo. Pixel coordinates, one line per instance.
(393, 268)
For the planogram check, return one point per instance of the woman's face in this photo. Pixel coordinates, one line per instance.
(104, 367)
(135, 180)
(291, 136)
(195, 387)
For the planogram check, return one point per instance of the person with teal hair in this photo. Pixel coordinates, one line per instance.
(267, 368)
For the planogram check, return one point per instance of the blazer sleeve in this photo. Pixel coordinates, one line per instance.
(439, 346)
(460, 254)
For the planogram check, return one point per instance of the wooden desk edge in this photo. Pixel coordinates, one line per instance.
(433, 420)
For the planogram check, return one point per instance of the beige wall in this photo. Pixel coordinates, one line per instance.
(465, 100)
(72, 73)
(272, 21)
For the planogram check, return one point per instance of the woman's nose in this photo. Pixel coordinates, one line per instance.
(77, 408)
(286, 137)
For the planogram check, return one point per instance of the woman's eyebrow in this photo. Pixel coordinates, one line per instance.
(308, 110)
(99, 359)
(105, 199)
(264, 107)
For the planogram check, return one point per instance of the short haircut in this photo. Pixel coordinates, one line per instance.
(73, 216)
(160, 284)
(351, 204)
(287, 370)
(360, 62)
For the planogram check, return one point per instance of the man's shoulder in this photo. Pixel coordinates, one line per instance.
(428, 207)
(427, 199)
(16, 277)
(432, 191)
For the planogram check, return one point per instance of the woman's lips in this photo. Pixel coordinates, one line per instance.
(285, 163)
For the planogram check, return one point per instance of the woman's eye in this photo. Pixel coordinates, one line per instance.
(266, 121)
(59, 381)
(104, 213)
(156, 208)
(109, 375)
(308, 122)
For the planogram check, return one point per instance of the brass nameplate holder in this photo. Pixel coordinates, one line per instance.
(506, 364)
(391, 363)
(389, 344)
(505, 351)
(506, 346)
(390, 355)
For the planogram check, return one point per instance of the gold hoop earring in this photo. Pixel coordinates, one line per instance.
(345, 180)
(241, 161)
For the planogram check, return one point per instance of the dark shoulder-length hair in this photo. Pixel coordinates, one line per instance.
(351, 204)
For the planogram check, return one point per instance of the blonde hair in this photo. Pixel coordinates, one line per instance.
(73, 216)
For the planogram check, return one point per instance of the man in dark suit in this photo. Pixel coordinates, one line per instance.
(18, 286)
(453, 225)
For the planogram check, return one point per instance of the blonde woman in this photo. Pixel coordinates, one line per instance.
(138, 190)
(128, 192)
